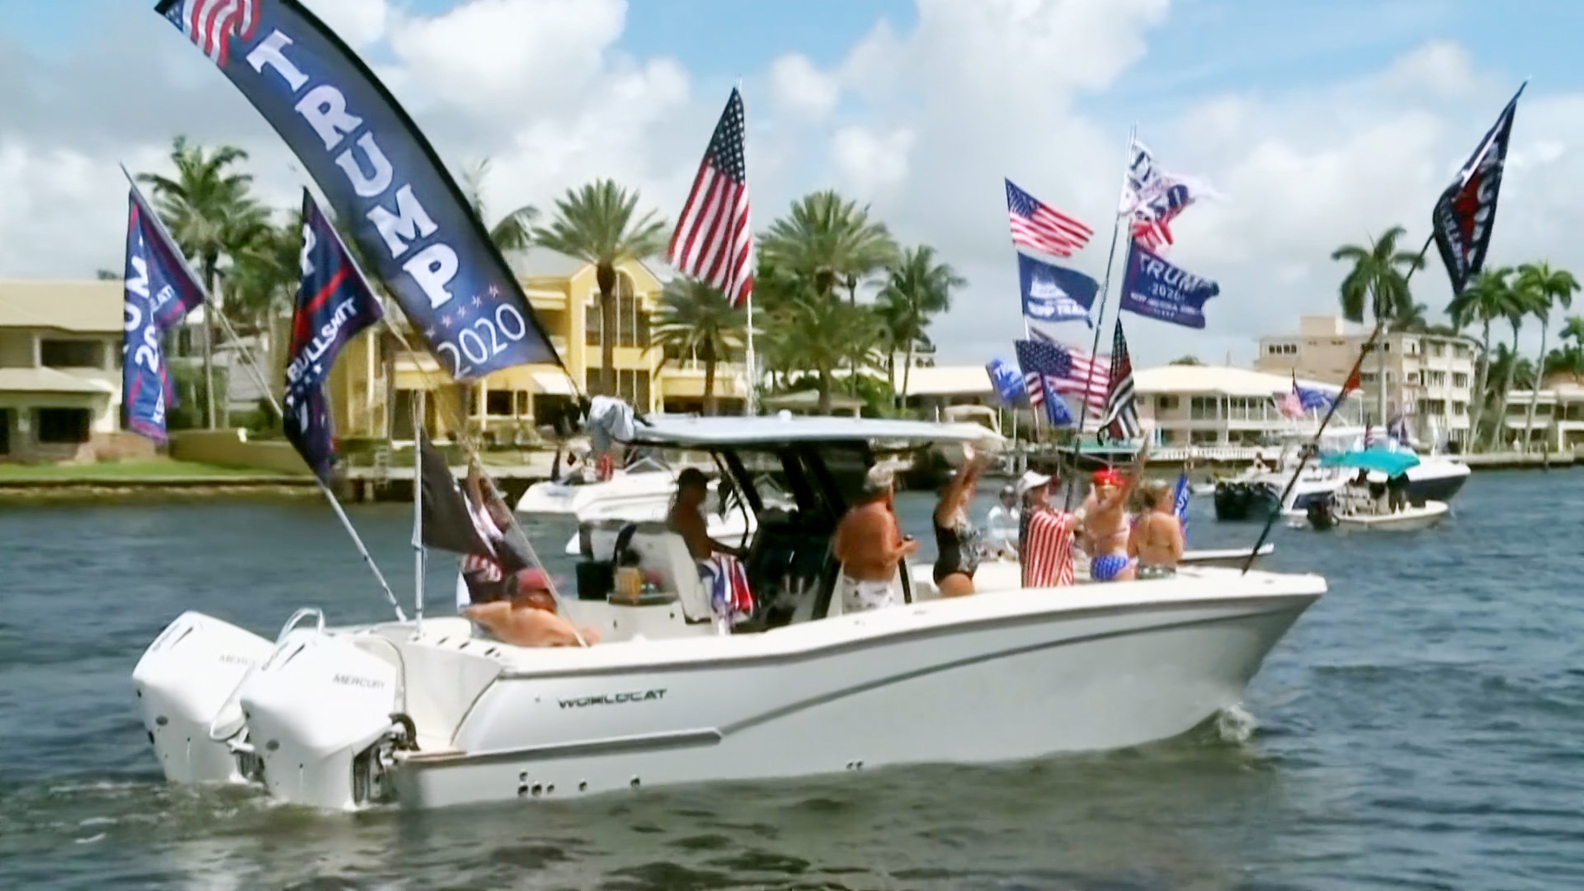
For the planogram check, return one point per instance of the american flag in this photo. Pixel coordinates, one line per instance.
(1063, 369)
(1121, 418)
(1290, 406)
(1048, 549)
(1039, 227)
(486, 567)
(1180, 503)
(1154, 235)
(212, 23)
(713, 241)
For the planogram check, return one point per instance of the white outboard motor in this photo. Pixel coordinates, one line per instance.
(320, 716)
(182, 682)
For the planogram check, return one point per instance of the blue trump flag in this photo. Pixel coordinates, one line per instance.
(334, 304)
(1158, 290)
(1054, 294)
(1180, 498)
(1008, 381)
(380, 176)
(160, 290)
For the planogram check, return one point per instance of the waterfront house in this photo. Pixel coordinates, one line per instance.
(60, 372)
(1558, 419)
(1220, 407)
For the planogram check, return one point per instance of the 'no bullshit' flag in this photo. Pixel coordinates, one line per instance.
(160, 290)
(380, 176)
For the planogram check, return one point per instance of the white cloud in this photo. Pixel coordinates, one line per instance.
(922, 123)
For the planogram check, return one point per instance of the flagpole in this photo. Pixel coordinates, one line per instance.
(1314, 441)
(1105, 287)
(419, 553)
(251, 365)
(750, 398)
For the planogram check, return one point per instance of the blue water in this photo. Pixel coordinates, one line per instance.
(1421, 727)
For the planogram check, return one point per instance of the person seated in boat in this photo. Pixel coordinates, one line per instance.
(1105, 523)
(1002, 526)
(869, 547)
(956, 537)
(686, 517)
(1156, 542)
(528, 617)
(1045, 536)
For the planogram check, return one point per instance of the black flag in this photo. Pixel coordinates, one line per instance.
(447, 523)
(1466, 213)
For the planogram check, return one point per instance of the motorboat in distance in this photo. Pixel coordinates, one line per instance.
(344, 717)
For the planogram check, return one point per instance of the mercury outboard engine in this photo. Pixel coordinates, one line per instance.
(1322, 513)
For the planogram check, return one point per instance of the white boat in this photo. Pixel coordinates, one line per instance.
(642, 489)
(1351, 511)
(433, 715)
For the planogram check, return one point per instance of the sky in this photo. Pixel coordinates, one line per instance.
(1318, 122)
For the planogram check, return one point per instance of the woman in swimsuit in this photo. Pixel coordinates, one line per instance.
(1106, 528)
(1157, 539)
(956, 537)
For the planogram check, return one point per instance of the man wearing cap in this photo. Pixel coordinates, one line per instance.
(1004, 525)
(527, 617)
(869, 547)
(1046, 537)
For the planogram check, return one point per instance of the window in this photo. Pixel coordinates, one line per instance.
(1203, 408)
(498, 403)
(1282, 349)
(632, 323)
(1165, 403)
(1437, 349)
(1436, 378)
(632, 386)
(62, 425)
(1460, 408)
(1460, 379)
(71, 354)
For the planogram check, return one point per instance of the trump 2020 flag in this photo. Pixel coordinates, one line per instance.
(1466, 212)
(1158, 290)
(160, 290)
(380, 176)
(334, 304)
(1006, 379)
(1054, 294)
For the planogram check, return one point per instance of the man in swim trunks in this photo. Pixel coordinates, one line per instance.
(869, 547)
(1105, 521)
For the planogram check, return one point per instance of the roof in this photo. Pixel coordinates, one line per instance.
(1221, 380)
(84, 306)
(778, 429)
(48, 380)
(538, 262)
(944, 380)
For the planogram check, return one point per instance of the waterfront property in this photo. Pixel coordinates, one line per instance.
(1217, 406)
(60, 372)
(1431, 374)
(1558, 423)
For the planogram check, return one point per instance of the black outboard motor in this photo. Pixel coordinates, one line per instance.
(1322, 513)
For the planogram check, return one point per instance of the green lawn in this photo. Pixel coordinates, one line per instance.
(122, 470)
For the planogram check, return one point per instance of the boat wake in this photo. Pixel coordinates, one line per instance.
(1235, 725)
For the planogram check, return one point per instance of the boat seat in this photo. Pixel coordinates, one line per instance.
(664, 553)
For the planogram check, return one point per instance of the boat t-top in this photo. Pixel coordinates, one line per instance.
(429, 713)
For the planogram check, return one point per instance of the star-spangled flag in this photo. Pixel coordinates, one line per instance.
(1154, 197)
(1039, 227)
(1290, 406)
(160, 290)
(377, 171)
(1043, 367)
(713, 241)
(334, 304)
(1121, 418)
(1465, 214)
(1063, 370)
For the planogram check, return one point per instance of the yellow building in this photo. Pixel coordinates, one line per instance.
(508, 406)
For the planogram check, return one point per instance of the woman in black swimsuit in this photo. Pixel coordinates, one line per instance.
(956, 537)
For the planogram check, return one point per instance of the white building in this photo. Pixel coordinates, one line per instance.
(1558, 418)
(1216, 406)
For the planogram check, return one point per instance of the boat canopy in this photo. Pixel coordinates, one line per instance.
(1388, 462)
(778, 430)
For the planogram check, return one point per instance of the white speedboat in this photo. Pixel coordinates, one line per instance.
(642, 489)
(434, 715)
(1365, 514)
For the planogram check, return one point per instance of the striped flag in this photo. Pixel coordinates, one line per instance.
(1068, 370)
(1042, 228)
(713, 241)
(1121, 418)
(1048, 549)
(1180, 503)
(212, 23)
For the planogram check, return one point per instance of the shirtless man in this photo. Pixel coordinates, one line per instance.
(687, 517)
(868, 546)
(1105, 521)
(527, 617)
(1157, 539)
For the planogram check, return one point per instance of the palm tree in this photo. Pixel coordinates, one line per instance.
(1484, 301)
(828, 241)
(598, 224)
(1569, 358)
(1379, 278)
(1525, 301)
(1411, 318)
(211, 213)
(917, 288)
(820, 335)
(1551, 288)
(1185, 360)
(512, 232)
(697, 320)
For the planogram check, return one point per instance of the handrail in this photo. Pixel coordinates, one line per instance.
(297, 616)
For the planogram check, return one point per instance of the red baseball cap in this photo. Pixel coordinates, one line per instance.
(526, 581)
(1108, 477)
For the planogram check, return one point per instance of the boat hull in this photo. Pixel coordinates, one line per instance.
(1436, 481)
(987, 688)
(1409, 520)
